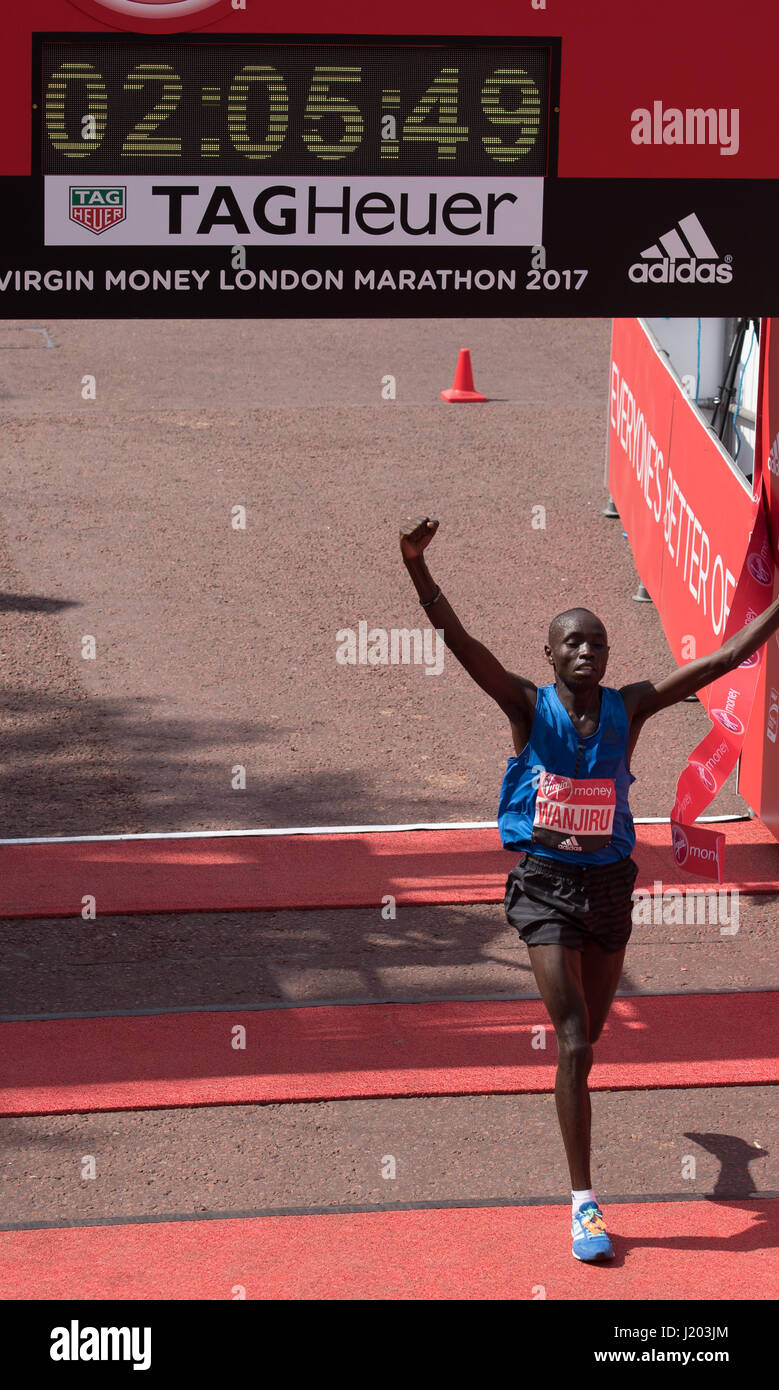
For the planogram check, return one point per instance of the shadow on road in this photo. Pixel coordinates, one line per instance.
(735, 1155)
(34, 603)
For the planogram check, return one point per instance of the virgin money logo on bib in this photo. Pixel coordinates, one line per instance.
(753, 660)
(575, 813)
(680, 844)
(759, 570)
(555, 788)
(728, 721)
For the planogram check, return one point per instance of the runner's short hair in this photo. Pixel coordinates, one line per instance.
(561, 621)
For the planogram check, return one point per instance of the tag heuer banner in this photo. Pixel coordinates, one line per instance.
(178, 158)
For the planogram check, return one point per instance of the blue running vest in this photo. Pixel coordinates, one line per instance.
(555, 746)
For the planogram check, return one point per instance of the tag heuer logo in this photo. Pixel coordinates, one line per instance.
(97, 209)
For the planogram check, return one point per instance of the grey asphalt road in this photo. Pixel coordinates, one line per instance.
(215, 647)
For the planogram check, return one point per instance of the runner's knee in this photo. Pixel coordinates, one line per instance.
(574, 1048)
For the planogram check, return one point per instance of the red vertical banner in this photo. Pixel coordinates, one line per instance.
(705, 546)
(759, 768)
(642, 395)
(731, 703)
(686, 508)
(708, 514)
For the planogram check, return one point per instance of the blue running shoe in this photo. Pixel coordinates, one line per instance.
(590, 1241)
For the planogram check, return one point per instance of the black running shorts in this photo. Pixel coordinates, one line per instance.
(552, 903)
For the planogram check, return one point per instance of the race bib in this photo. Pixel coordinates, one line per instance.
(574, 814)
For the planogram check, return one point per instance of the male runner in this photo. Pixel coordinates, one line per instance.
(570, 895)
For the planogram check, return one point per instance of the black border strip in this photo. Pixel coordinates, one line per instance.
(356, 1208)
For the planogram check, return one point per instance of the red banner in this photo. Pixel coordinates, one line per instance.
(633, 104)
(759, 768)
(690, 516)
(685, 506)
(731, 700)
(641, 399)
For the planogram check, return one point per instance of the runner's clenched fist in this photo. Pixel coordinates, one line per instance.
(415, 536)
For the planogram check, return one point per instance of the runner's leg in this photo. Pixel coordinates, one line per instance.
(558, 973)
(601, 971)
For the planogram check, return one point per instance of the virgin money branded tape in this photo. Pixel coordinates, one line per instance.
(697, 850)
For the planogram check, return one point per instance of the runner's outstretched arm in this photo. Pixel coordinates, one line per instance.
(647, 698)
(509, 691)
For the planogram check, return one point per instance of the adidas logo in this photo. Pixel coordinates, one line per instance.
(570, 843)
(611, 735)
(685, 254)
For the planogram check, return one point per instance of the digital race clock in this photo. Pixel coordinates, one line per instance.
(114, 105)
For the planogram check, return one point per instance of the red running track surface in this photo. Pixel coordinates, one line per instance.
(679, 1250)
(298, 871)
(331, 1052)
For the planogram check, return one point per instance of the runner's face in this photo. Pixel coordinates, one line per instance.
(580, 654)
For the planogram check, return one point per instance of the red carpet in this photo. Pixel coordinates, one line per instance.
(664, 1250)
(335, 1052)
(299, 871)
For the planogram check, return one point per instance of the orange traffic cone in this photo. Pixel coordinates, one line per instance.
(463, 381)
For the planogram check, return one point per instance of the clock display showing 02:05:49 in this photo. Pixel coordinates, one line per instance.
(114, 106)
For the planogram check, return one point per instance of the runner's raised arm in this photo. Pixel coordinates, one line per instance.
(645, 698)
(511, 692)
